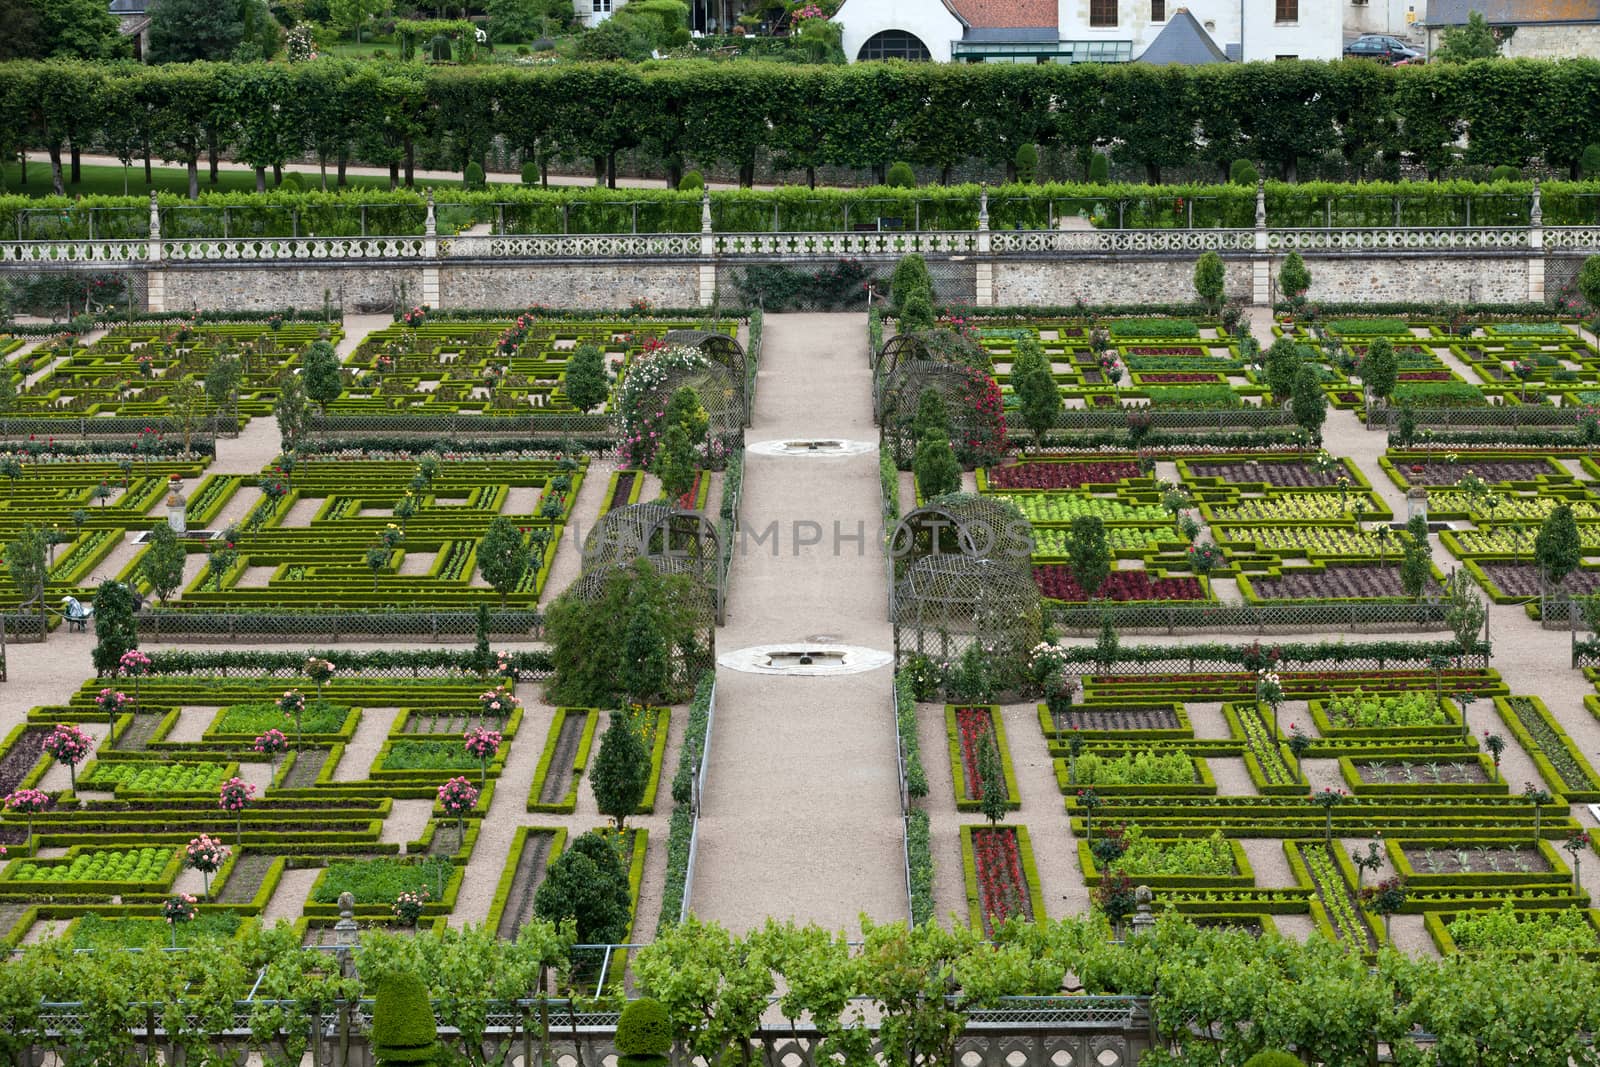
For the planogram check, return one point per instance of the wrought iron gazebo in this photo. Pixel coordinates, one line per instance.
(946, 603)
(654, 530)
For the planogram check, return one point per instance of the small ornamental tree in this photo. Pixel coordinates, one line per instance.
(1558, 548)
(646, 669)
(177, 910)
(457, 797)
(1538, 798)
(1308, 402)
(406, 508)
(1089, 554)
(114, 627)
(482, 744)
(1282, 364)
(1294, 279)
(910, 276)
(1576, 844)
(935, 466)
(1036, 390)
(621, 769)
(1090, 801)
(498, 703)
(1589, 273)
(503, 556)
(133, 664)
(676, 464)
(28, 562)
(1371, 860)
(28, 803)
(1209, 281)
(162, 563)
(644, 1034)
(585, 380)
(320, 369)
(70, 745)
(1497, 747)
(1117, 898)
(992, 779)
(1380, 368)
(588, 885)
(207, 855)
(113, 702)
(233, 797)
(1327, 800)
(917, 315)
(1385, 898)
(1465, 610)
(290, 411)
(933, 415)
(272, 744)
(293, 704)
(320, 671)
(1415, 568)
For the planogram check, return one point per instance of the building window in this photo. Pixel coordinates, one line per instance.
(602, 7)
(1284, 59)
(1288, 11)
(1102, 12)
(1158, 10)
(892, 44)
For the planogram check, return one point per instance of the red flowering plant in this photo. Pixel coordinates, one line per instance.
(416, 316)
(207, 855)
(233, 797)
(113, 702)
(983, 439)
(1002, 887)
(28, 803)
(483, 743)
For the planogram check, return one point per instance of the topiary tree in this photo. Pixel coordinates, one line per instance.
(1505, 172)
(644, 1034)
(1274, 1058)
(1294, 279)
(1243, 172)
(910, 276)
(992, 775)
(162, 564)
(1589, 283)
(28, 563)
(404, 1031)
(620, 770)
(1037, 393)
(1282, 365)
(1380, 368)
(917, 314)
(1089, 554)
(503, 556)
(900, 176)
(588, 885)
(290, 411)
(531, 175)
(935, 466)
(1558, 549)
(114, 628)
(1099, 168)
(692, 179)
(1415, 569)
(675, 463)
(646, 668)
(1308, 402)
(473, 177)
(1026, 162)
(932, 416)
(1210, 280)
(585, 381)
(320, 372)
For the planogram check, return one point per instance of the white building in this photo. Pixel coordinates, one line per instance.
(1078, 31)
(1392, 18)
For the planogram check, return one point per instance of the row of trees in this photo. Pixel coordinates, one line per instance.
(803, 117)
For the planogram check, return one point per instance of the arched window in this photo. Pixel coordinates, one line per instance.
(894, 44)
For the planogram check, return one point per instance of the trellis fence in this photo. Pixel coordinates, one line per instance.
(1327, 616)
(290, 625)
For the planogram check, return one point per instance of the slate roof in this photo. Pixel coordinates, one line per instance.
(1183, 41)
(1512, 12)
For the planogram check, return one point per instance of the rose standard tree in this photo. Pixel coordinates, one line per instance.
(70, 745)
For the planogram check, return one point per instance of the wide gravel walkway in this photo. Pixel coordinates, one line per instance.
(801, 811)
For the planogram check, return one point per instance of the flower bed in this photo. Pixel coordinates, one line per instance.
(964, 731)
(1055, 582)
(1001, 880)
(249, 720)
(1364, 581)
(1296, 474)
(1058, 475)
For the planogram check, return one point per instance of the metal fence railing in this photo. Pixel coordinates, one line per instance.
(288, 624)
(1350, 617)
(696, 796)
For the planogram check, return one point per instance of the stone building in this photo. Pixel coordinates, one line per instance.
(1528, 29)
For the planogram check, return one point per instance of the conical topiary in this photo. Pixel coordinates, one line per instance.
(1274, 1058)
(403, 1027)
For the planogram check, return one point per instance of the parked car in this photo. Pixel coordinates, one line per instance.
(1381, 47)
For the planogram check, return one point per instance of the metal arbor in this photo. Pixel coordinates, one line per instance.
(948, 603)
(687, 541)
(720, 394)
(700, 602)
(966, 524)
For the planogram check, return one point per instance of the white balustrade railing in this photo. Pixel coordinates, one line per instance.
(1579, 238)
(50, 252)
(1112, 241)
(1399, 239)
(1020, 244)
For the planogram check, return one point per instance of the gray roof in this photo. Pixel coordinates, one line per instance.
(1183, 41)
(1512, 12)
(128, 7)
(1011, 35)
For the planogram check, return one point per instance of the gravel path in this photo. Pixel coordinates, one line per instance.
(833, 737)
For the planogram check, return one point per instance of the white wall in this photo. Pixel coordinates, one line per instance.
(929, 20)
(1385, 16)
(1133, 21)
(1318, 34)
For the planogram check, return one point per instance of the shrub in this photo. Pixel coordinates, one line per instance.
(900, 176)
(692, 180)
(530, 172)
(1589, 282)
(403, 1027)
(1589, 163)
(473, 177)
(917, 314)
(585, 380)
(1273, 1058)
(588, 885)
(1243, 172)
(1505, 172)
(644, 1034)
(910, 276)
(114, 628)
(935, 466)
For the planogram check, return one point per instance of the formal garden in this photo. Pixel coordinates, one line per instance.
(1218, 637)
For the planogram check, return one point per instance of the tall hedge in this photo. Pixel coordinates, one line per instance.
(864, 115)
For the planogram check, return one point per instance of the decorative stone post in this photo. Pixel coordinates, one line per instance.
(708, 253)
(177, 507)
(155, 278)
(984, 297)
(430, 253)
(1417, 502)
(1261, 263)
(1144, 919)
(1536, 247)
